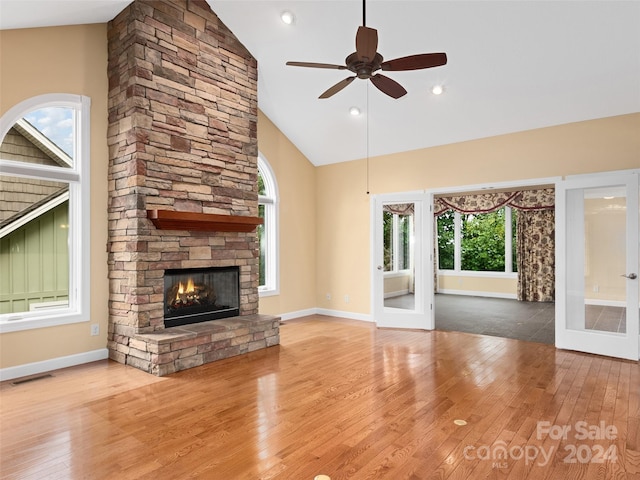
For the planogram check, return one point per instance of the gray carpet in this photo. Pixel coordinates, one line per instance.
(530, 321)
(499, 317)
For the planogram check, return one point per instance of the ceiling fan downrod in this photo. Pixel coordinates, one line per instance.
(364, 13)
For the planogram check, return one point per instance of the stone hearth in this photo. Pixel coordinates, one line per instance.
(182, 145)
(179, 348)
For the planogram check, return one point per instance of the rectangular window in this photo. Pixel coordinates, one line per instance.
(482, 241)
(477, 242)
(34, 245)
(446, 241)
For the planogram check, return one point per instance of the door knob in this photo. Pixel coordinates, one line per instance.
(631, 276)
(379, 267)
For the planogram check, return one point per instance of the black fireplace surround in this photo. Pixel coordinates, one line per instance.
(200, 294)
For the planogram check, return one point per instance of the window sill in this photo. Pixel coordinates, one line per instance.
(468, 273)
(266, 292)
(29, 322)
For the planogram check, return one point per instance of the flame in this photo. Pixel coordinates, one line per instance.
(182, 289)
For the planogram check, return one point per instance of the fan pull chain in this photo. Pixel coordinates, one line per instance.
(367, 137)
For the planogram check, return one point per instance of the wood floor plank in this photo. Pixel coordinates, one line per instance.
(337, 397)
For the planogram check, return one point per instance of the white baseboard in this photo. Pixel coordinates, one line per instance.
(350, 315)
(473, 293)
(298, 314)
(324, 311)
(34, 368)
(399, 293)
(605, 303)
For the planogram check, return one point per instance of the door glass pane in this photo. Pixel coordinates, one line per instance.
(399, 270)
(388, 231)
(596, 298)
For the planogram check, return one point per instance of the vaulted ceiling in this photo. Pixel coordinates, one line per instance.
(513, 65)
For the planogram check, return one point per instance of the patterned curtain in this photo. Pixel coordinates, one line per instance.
(536, 255)
(399, 208)
(535, 236)
(480, 203)
(540, 199)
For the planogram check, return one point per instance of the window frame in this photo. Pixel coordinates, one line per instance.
(457, 261)
(271, 229)
(78, 178)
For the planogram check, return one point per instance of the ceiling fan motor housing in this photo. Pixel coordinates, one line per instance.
(363, 70)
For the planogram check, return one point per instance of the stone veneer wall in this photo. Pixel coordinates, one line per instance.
(182, 136)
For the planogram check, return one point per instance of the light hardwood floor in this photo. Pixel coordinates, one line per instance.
(340, 398)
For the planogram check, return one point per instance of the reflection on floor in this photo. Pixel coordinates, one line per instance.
(499, 317)
(406, 302)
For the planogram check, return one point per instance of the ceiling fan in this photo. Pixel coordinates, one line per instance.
(365, 61)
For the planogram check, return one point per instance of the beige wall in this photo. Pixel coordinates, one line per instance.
(343, 206)
(397, 284)
(295, 176)
(63, 60)
(467, 283)
(343, 238)
(605, 249)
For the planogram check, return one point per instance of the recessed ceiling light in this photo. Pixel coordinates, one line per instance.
(355, 111)
(608, 198)
(437, 89)
(287, 17)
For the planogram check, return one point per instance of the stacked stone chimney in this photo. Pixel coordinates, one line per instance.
(182, 137)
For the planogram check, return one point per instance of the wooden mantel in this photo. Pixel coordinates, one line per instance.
(203, 222)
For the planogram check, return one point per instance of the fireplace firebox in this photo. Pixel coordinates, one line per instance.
(200, 294)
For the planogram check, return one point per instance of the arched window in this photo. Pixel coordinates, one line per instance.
(44, 212)
(268, 232)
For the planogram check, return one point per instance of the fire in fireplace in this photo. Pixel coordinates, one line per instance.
(200, 294)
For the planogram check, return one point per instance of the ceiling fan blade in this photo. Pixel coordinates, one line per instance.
(388, 86)
(337, 87)
(317, 65)
(415, 62)
(366, 43)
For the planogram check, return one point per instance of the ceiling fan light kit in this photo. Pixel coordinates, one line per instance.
(366, 61)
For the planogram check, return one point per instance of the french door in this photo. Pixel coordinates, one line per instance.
(597, 266)
(400, 261)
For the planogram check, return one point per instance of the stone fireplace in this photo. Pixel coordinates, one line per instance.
(182, 185)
